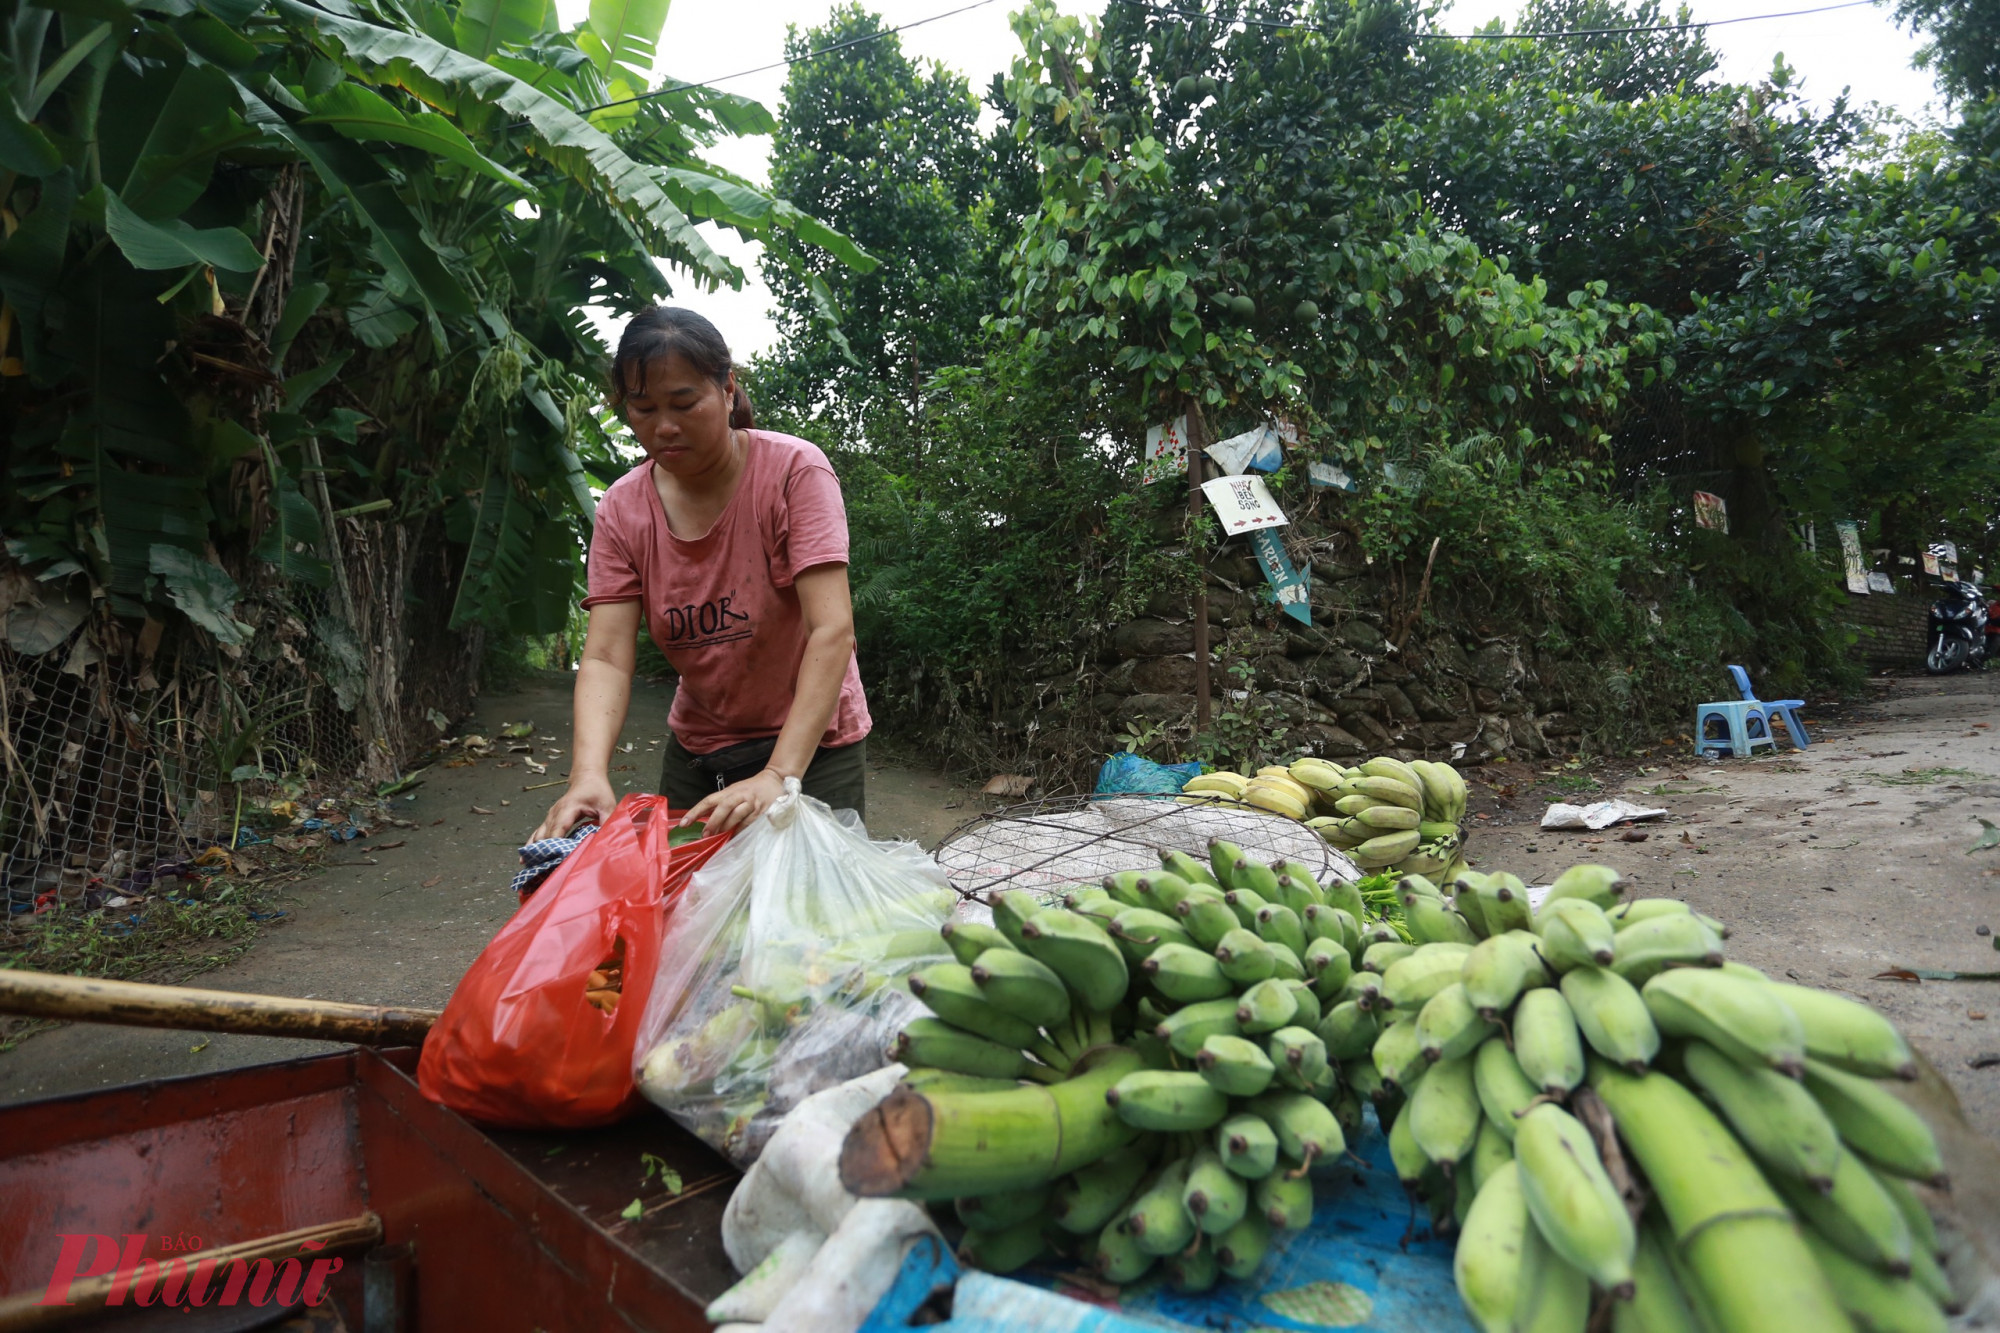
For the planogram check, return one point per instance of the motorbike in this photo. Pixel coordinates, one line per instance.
(1961, 622)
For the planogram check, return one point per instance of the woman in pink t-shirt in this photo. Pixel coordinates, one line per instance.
(730, 544)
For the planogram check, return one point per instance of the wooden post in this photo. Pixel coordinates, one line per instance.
(1197, 436)
(134, 1004)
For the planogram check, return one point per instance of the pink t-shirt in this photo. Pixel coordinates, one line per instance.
(722, 607)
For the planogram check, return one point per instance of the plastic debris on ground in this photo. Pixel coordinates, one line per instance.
(1597, 815)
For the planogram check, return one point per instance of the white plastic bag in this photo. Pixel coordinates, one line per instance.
(783, 971)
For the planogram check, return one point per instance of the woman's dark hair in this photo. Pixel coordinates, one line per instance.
(668, 330)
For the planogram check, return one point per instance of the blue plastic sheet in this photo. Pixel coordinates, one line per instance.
(1126, 773)
(1365, 1263)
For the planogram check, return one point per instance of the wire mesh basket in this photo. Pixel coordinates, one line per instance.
(1065, 840)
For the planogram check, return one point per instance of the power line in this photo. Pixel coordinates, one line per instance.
(1660, 27)
(794, 60)
(1516, 36)
(1559, 35)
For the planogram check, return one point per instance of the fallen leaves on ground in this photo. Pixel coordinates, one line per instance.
(1990, 838)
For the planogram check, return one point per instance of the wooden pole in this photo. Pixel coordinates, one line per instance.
(1197, 438)
(134, 1004)
(87, 1295)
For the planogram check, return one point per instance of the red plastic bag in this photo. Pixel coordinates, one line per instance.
(520, 1045)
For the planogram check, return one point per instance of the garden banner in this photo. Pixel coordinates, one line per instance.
(1711, 511)
(1292, 588)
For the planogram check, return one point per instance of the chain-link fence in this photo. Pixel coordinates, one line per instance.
(128, 749)
(121, 759)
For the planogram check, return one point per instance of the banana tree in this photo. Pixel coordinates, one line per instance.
(271, 268)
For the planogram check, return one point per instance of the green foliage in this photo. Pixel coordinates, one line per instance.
(277, 264)
(1253, 249)
(889, 153)
(1964, 46)
(1246, 730)
(981, 590)
(1632, 607)
(1458, 268)
(1831, 276)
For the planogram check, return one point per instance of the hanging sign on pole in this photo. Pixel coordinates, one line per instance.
(1322, 473)
(1243, 504)
(1292, 588)
(1258, 450)
(1166, 451)
(1850, 554)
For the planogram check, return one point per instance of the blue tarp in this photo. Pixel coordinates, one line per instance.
(1125, 774)
(1364, 1264)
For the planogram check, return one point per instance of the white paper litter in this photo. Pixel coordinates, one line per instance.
(1597, 815)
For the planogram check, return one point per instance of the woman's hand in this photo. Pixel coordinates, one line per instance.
(588, 801)
(738, 803)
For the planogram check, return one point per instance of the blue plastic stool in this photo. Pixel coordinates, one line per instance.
(1745, 727)
(1785, 710)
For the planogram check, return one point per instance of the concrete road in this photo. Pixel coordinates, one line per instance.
(1832, 865)
(402, 925)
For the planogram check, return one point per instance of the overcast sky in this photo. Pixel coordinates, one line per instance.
(1859, 49)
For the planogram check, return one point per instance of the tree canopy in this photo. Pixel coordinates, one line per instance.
(277, 264)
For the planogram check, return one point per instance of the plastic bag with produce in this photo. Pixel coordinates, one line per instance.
(540, 1032)
(783, 971)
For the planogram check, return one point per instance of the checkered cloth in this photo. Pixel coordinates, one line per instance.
(540, 858)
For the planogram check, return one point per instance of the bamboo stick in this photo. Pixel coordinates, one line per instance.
(87, 1295)
(135, 1004)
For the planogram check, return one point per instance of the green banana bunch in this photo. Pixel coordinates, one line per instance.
(1745, 1020)
(1572, 1200)
(1876, 1124)
(1147, 1069)
(1444, 791)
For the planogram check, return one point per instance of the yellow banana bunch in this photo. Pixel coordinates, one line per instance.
(1322, 775)
(1274, 790)
(1220, 783)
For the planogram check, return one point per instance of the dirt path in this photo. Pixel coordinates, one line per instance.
(402, 925)
(1832, 865)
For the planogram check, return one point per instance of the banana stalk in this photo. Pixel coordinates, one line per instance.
(1742, 1247)
(941, 1145)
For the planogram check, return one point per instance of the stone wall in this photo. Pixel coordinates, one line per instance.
(1342, 689)
(1891, 626)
